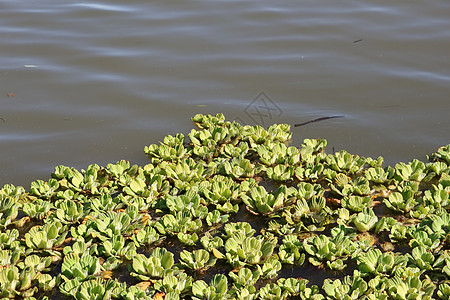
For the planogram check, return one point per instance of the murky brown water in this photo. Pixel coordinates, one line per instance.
(96, 81)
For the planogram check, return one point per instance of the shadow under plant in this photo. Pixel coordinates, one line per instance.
(231, 212)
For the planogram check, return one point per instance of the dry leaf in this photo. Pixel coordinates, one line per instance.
(159, 296)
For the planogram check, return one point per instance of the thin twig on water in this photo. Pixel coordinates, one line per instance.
(317, 120)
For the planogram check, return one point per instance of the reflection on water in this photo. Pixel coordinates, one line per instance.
(109, 77)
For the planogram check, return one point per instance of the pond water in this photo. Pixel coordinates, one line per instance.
(95, 81)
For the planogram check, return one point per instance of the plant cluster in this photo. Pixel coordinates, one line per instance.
(223, 214)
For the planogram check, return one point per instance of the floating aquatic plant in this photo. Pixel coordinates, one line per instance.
(291, 251)
(242, 250)
(352, 287)
(331, 253)
(173, 286)
(259, 201)
(46, 236)
(196, 260)
(157, 265)
(231, 212)
(245, 277)
(365, 220)
(80, 266)
(215, 290)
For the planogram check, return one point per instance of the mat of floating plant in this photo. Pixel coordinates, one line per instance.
(231, 212)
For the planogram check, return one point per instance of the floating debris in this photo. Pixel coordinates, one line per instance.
(317, 120)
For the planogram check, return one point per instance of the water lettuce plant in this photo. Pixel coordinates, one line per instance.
(271, 153)
(244, 277)
(231, 211)
(219, 189)
(46, 236)
(401, 201)
(343, 161)
(365, 220)
(80, 266)
(215, 290)
(196, 260)
(352, 287)
(174, 286)
(291, 250)
(259, 201)
(375, 262)
(157, 265)
(241, 250)
(9, 210)
(331, 253)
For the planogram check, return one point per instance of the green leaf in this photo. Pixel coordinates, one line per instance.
(198, 288)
